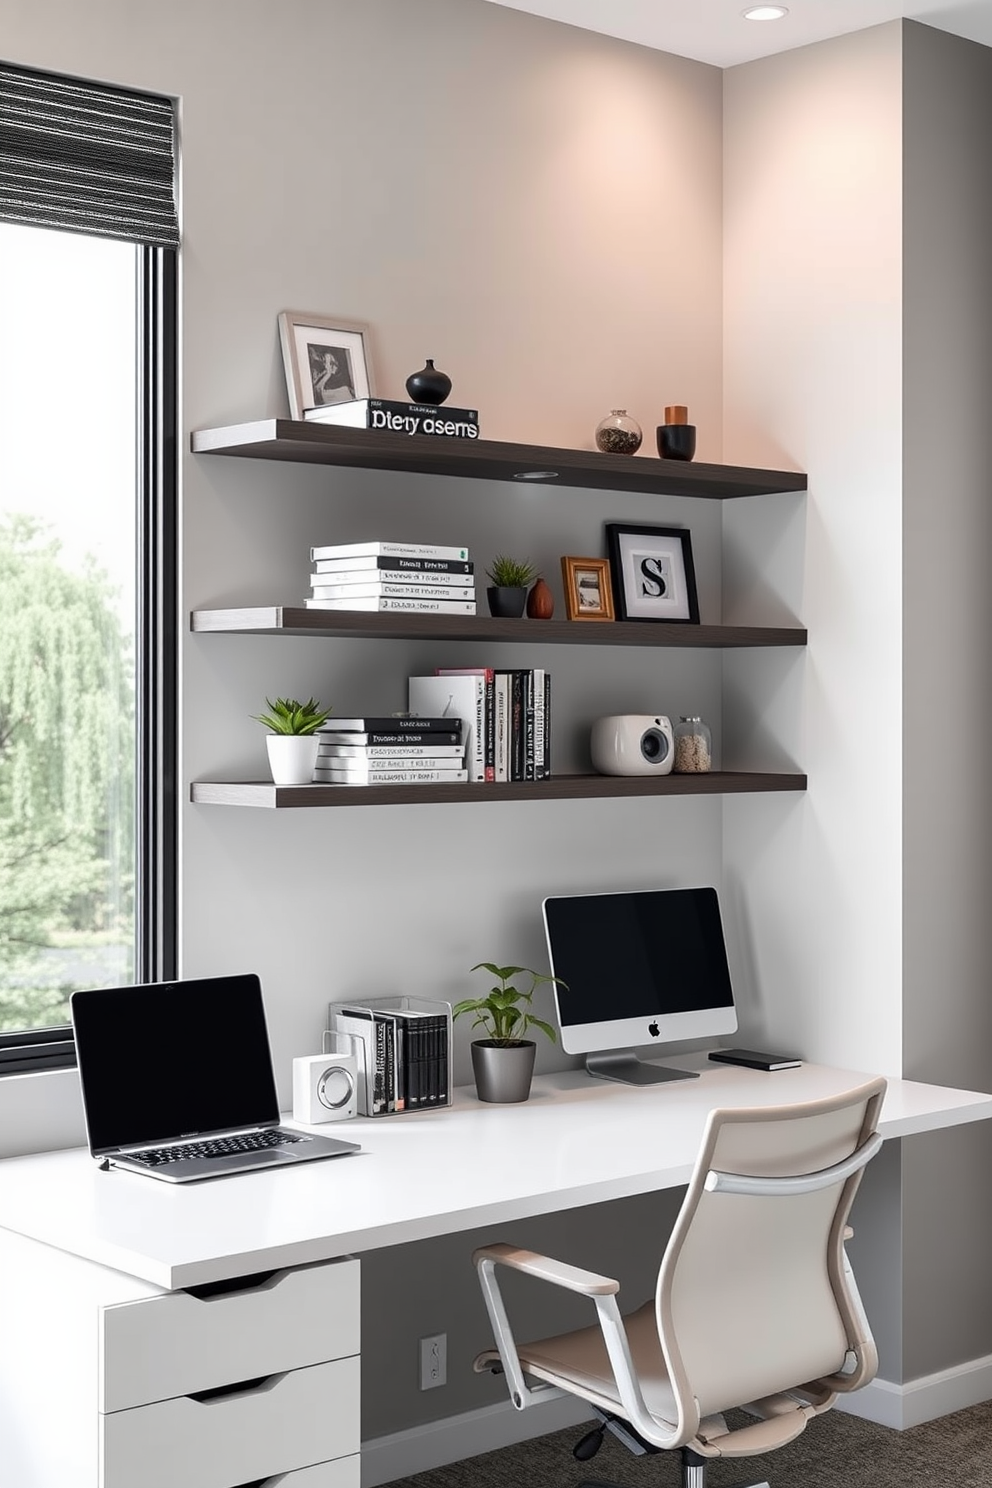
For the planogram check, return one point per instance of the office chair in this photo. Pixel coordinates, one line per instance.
(755, 1304)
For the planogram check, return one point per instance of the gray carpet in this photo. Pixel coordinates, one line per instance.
(835, 1451)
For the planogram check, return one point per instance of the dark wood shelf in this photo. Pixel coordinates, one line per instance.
(487, 459)
(559, 788)
(361, 624)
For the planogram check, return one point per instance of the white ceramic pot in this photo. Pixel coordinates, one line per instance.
(292, 757)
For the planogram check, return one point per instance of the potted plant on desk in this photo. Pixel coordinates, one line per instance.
(503, 1062)
(292, 744)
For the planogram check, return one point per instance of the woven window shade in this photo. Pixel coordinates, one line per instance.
(87, 158)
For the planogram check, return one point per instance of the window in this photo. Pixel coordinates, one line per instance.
(87, 561)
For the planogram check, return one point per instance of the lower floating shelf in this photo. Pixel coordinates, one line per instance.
(558, 788)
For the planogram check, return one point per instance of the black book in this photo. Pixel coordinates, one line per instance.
(393, 416)
(412, 566)
(375, 739)
(517, 725)
(386, 725)
(547, 725)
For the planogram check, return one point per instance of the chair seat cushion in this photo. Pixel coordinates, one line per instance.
(580, 1363)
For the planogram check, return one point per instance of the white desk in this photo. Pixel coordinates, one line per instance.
(133, 1348)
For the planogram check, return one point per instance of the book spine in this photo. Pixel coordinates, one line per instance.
(382, 590)
(426, 742)
(539, 723)
(528, 725)
(390, 777)
(415, 725)
(490, 722)
(388, 550)
(502, 707)
(419, 606)
(380, 1087)
(390, 565)
(517, 726)
(547, 725)
(406, 754)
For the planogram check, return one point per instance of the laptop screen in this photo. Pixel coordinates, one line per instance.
(173, 1059)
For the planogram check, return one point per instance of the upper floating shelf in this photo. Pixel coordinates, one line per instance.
(408, 626)
(487, 459)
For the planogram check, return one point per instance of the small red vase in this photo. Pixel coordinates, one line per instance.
(540, 602)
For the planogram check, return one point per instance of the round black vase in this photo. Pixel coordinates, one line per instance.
(676, 441)
(428, 385)
(506, 603)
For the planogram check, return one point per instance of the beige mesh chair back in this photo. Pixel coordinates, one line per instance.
(755, 1304)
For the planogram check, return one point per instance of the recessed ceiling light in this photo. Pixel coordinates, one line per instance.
(765, 12)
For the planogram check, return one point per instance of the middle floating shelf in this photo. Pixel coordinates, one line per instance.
(409, 626)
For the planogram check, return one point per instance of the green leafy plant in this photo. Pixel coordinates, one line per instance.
(505, 1012)
(508, 573)
(287, 716)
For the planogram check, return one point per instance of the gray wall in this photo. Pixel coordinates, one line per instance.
(947, 683)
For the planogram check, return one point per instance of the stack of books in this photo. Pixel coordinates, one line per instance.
(391, 751)
(505, 715)
(402, 1047)
(392, 576)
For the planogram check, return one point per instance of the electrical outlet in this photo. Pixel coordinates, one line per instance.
(434, 1361)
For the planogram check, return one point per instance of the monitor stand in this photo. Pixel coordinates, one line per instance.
(624, 1065)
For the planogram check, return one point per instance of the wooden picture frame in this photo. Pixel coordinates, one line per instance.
(653, 573)
(327, 360)
(588, 589)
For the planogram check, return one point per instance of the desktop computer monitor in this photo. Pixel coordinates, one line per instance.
(639, 968)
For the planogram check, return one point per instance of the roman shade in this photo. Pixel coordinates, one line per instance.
(87, 158)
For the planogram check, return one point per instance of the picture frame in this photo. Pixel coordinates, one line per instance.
(653, 573)
(327, 360)
(588, 588)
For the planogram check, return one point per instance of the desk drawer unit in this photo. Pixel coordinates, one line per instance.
(290, 1421)
(181, 1342)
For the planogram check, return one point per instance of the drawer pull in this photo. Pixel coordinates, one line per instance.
(258, 1386)
(210, 1289)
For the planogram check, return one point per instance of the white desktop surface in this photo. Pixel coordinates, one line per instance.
(576, 1141)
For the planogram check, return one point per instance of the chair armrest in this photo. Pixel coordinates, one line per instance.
(573, 1278)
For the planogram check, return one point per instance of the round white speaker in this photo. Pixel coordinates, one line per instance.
(325, 1088)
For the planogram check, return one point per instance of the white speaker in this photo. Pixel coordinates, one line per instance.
(325, 1088)
(633, 744)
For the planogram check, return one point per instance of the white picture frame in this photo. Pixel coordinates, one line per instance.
(327, 360)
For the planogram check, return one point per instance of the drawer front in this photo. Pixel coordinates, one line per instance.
(292, 1421)
(346, 1472)
(180, 1342)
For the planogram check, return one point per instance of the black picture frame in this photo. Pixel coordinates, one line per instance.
(666, 592)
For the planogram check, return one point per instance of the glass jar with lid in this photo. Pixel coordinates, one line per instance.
(618, 434)
(693, 746)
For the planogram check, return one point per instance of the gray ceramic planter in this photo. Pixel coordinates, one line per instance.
(503, 1071)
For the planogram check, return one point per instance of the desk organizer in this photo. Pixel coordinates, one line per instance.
(404, 1052)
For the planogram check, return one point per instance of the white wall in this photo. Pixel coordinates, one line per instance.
(812, 376)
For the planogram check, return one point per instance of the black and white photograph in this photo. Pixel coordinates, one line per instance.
(586, 582)
(653, 573)
(327, 360)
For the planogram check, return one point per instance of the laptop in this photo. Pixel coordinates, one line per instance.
(177, 1081)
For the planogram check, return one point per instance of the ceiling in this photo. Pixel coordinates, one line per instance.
(714, 30)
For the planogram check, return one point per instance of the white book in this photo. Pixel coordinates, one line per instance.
(501, 703)
(418, 606)
(391, 777)
(385, 550)
(408, 754)
(537, 683)
(376, 588)
(456, 697)
(323, 574)
(350, 766)
(393, 565)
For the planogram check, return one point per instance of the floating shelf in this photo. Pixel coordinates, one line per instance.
(408, 626)
(487, 459)
(558, 788)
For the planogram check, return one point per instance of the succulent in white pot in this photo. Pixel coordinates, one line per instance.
(292, 743)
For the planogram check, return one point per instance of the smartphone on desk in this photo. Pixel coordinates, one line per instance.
(755, 1059)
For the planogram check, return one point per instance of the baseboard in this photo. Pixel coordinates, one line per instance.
(386, 1458)
(923, 1399)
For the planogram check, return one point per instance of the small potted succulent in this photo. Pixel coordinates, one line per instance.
(509, 579)
(292, 744)
(503, 1062)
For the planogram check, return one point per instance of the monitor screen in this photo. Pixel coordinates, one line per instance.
(641, 968)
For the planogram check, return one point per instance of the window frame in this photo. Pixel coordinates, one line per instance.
(156, 670)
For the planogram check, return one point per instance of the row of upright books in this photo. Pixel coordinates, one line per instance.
(403, 1049)
(416, 577)
(391, 751)
(505, 714)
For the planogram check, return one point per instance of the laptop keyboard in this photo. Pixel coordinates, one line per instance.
(154, 1157)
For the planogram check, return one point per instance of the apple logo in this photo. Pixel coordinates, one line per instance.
(653, 1030)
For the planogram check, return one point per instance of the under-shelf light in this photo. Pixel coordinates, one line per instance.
(765, 12)
(536, 475)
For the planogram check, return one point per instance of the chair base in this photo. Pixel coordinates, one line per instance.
(693, 1476)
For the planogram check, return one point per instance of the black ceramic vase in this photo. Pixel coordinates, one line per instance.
(676, 441)
(506, 603)
(428, 385)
